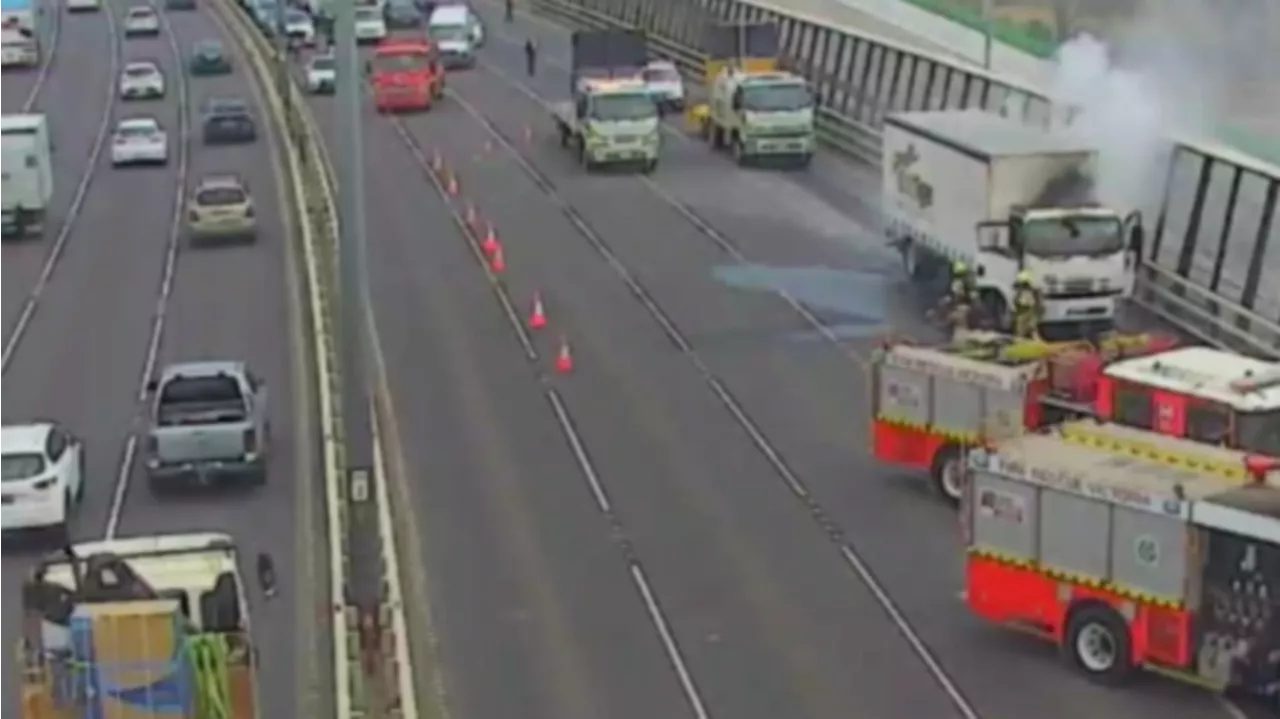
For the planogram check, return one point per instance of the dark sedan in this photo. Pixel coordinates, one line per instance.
(227, 122)
(209, 58)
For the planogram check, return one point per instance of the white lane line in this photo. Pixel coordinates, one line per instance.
(161, 311)
(46, 64)
(669, 642)
(60, 240)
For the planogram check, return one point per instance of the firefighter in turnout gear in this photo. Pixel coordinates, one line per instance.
(1028, 307)
(957, 305)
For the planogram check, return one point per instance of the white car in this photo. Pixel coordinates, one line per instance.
(141, 20)
(83, 5)
(370, 25)
(321, 74)
(43, 476)
(665, 84)
(298, 27)
(139, 141)
(141, 80)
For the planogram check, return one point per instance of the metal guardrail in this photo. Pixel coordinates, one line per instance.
(1184, 304)
(317, 240)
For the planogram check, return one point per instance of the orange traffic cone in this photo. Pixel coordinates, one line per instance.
(452, 185)
(537, 318)
(490, 244)
(564, 358)
(437, 162)
(471, 215)
(497, 262)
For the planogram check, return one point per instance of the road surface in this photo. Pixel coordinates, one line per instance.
(702, 404)
(127, 294)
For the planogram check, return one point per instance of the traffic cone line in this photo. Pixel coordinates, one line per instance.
(564, 357)
(437, 162)
(451, 185)
(497, 262)
(471, 217)
(538, 317)
(490, 243)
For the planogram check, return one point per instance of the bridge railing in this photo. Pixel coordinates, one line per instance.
(1214, 241)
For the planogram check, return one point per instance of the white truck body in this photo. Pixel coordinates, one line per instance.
(947, 173)
(27, 166)
(19, 47)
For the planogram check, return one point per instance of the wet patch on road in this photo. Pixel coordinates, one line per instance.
(854, 305)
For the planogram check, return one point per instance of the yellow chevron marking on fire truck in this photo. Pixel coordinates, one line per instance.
(1157, 449)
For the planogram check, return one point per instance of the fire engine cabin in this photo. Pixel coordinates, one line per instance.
(931, 403)
(1130, 549)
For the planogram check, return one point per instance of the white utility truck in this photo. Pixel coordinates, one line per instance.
(612, 118)
(28, 173)
(1003, 196)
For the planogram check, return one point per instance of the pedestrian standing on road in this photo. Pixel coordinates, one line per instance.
(530, 57)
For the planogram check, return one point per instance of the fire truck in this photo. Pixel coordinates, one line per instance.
(930, 403)
(1130, 550)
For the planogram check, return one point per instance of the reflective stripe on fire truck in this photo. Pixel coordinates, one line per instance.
(1106, 439)
(1081, 580)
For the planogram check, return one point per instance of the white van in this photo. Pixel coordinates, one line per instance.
(457, 32)
(28, 171)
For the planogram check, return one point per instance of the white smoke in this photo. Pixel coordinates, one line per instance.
(1187, 67)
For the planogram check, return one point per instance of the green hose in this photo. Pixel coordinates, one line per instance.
(208, 654)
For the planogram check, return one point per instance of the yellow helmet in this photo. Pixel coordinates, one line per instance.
(1024, 278)
(959, 268)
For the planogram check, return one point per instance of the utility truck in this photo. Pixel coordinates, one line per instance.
(756, 111)
(1002, 196)
(19, 36)
(152, 626)
(612, 118)
(28, 174)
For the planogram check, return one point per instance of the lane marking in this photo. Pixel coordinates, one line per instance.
(564, 421)
(60, 240)
(124, 472)
(760, 441)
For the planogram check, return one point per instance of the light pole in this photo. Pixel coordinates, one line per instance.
(989, 28)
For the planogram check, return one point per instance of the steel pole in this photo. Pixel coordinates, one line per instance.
(365, 586)
(989, 29)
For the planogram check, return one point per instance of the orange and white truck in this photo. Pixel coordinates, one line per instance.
(931, 403)
(1130, 550)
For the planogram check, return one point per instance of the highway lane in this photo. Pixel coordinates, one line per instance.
(532, 598)
(74, 93)
(80, 359)
(810, 404)
(238, 302)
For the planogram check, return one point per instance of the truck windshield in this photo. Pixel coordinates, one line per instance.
(628, 106)
(450, 33)
(776, 98)
(401, 62)
(1259, 432)
(1067, 237)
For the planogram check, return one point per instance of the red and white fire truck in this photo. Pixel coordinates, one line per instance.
(931, 403)
(1130, 549)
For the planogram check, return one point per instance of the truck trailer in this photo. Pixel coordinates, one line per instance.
(1002, 196)
(28, 174)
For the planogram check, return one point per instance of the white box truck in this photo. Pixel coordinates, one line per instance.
(1003, 196)
(28, 173)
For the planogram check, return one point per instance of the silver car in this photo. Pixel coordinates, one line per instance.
(141, 20)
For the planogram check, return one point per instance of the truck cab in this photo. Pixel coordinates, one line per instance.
(762, 114)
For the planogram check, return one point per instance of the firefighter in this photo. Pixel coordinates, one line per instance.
(530, 57)
(1028, 307)
(957, 305)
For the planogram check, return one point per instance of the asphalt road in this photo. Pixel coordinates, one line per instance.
(527, 578)
(123, 291)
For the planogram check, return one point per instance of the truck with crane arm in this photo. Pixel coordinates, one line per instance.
(139, 628)
(929, 404)
(611, 118)
(1130, 550)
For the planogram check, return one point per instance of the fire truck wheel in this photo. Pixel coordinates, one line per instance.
(948, 475)
(1098, 644)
